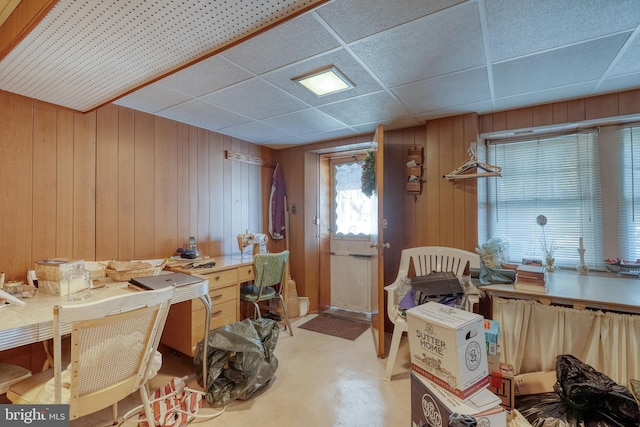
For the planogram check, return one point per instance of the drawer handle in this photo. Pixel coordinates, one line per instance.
(217, 277)
(216, 297)
(216, 313)
(250, 271)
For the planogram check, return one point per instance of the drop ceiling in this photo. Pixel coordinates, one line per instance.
(409, 60)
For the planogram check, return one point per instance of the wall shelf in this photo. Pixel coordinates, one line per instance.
(414, 170)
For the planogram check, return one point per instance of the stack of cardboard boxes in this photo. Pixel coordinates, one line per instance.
(450, 371)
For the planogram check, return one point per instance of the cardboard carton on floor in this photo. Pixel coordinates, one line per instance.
(502, 385)
(534, 382)
(431, 405)
(448, 347)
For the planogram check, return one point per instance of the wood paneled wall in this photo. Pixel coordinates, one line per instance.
(595, 107)
(120, 184)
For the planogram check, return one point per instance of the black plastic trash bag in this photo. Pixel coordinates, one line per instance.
(583, 397)
(240, 360)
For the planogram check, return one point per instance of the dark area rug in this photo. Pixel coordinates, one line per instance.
(336, 326)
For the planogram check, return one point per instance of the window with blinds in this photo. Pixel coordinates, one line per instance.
(558, 177)
(629, 194)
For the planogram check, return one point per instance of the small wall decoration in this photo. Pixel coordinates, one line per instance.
(414, 170)
(369, 174)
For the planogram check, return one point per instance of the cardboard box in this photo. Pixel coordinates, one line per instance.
(491, 334)
(502, 385)
(431, 406)
(534, 383)
(53, 273)
(448, 347)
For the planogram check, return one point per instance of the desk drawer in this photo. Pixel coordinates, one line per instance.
(218, 296)
(246, 273)
(221, 278)
(221, 314)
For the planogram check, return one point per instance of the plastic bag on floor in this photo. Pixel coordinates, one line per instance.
(583, 397)
(240, 360)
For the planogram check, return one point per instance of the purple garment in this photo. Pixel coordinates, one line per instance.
(277, 212)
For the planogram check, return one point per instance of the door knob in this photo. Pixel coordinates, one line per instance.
(379, 245)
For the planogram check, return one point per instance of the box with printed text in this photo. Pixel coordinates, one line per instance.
(431, 406)
(448, 347)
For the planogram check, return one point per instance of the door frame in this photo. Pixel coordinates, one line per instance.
(325, 216)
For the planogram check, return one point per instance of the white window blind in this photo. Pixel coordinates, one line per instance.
(557, 177)
(629, 195)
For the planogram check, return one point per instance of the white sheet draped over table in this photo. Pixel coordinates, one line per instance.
(533, 334)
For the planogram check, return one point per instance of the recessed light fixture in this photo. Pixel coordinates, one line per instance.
(324, 82)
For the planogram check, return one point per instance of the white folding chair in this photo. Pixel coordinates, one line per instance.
(425, 259)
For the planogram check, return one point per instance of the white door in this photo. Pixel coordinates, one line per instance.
(350, 253)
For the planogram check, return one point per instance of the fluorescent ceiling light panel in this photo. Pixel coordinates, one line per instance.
(325, 82)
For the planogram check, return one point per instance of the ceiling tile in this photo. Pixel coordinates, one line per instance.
(556, 68)
(375, 15)
(152, 98)
(266, 99)
(315, 137)
(255, 131)
(520, 27)
(206, 76)
(292, 41)
(545, 96)
(378, 107)
(204, 115)
(427, 47)
(629, 62)
(304, 122)
(620, 82)
(444, 91)
(474, 107)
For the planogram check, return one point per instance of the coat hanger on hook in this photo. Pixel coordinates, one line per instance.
(473, 168)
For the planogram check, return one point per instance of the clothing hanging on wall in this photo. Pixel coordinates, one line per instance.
(276, 202)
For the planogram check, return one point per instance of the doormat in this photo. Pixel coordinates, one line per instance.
(336, 326)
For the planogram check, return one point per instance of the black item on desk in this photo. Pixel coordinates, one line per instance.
(187, 253)
(583, 397)
(241, 360)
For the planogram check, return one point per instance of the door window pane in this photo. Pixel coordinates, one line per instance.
(352, 214)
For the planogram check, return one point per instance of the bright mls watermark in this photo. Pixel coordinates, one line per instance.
(34, 415)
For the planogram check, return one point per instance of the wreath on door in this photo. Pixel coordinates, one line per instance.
(369, 174)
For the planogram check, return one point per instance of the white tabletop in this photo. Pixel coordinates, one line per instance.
(33, 322)
(596, 291)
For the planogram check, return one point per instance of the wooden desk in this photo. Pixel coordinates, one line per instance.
(185, 325)
(593, 291)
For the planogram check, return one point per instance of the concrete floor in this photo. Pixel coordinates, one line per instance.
(321, 381)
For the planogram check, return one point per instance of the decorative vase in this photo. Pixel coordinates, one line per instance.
(550, 261)
(582, 268)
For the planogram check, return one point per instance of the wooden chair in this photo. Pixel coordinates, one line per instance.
(425, 259)
(113, 343)
(270, 281)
